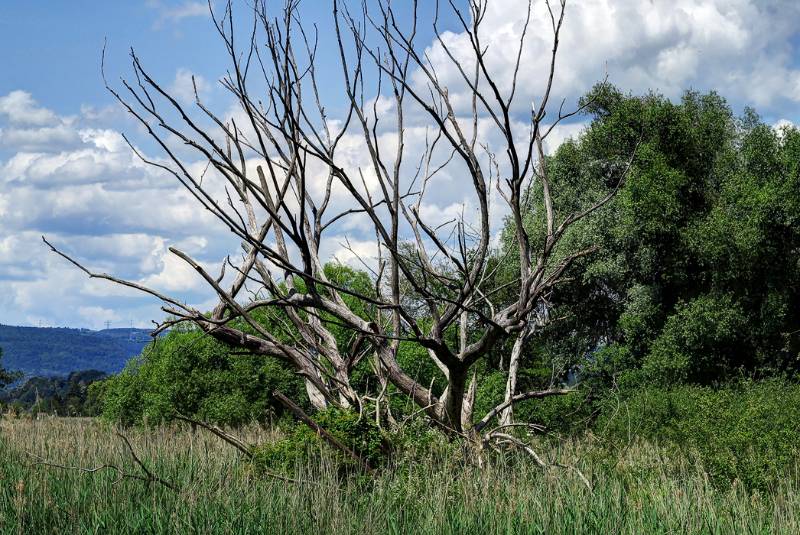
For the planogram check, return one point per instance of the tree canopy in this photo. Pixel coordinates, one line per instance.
(696, 275)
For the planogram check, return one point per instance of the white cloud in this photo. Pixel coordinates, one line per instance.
(183, 88)
(175, 276)
(20, 109)
(357, 253)
(739, 47)
(36, 138)
(95, 317)
(170, 13)
(84, 188)
(75, 179)
(782, 126)
(31, 127)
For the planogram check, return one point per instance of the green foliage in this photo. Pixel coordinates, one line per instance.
(418, 364)
(698, 274)
(491, 392)
(302, 444)
(747, 431)
(190, 373)
(696, 342)
(559, 415)
(416, 442)
(647, 489)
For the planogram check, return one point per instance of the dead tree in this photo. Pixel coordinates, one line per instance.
(277, 176)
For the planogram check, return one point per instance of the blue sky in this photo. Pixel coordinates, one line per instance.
(65, 172)
(56, 46)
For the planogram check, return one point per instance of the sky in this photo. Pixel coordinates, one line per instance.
(66, 173)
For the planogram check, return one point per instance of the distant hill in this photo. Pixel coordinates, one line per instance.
(57, 351)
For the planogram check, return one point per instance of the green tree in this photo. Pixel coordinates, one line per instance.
(189, 373)
(696, 278)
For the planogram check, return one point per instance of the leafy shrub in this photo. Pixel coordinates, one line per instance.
(696, 342)
(558, 414)
(491, 392)
(749, 431)
(302, 444)
(416, 441)
(190, 373)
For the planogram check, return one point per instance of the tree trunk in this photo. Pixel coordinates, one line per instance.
(469, 404)
(507, 416)
(454, 400)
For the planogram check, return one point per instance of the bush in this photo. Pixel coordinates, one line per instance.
(190, 373)
(749, 431)
(558, 414)
(302, 444)
(697, 342)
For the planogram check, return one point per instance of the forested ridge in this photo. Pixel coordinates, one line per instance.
(58, 351)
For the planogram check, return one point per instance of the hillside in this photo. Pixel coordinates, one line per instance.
(49, 351)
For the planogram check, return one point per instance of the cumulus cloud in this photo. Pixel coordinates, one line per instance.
(95, 317)
(82, 186)
(31, 127)
(32, 139)
(742, 48)
(782, 124)
(20, 109)
(356, 253)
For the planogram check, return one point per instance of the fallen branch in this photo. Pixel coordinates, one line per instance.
(221, 433)
(148, 477)
(241, 446)
(505, 438)
(520, 397)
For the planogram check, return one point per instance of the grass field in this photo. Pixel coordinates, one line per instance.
(644, 490)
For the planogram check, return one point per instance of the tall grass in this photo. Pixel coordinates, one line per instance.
(643, 490)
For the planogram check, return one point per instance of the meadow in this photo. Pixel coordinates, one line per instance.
(642, 489)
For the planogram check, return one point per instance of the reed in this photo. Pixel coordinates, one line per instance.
(645, 489)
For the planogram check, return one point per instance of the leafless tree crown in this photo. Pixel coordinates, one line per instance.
(278, 176)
